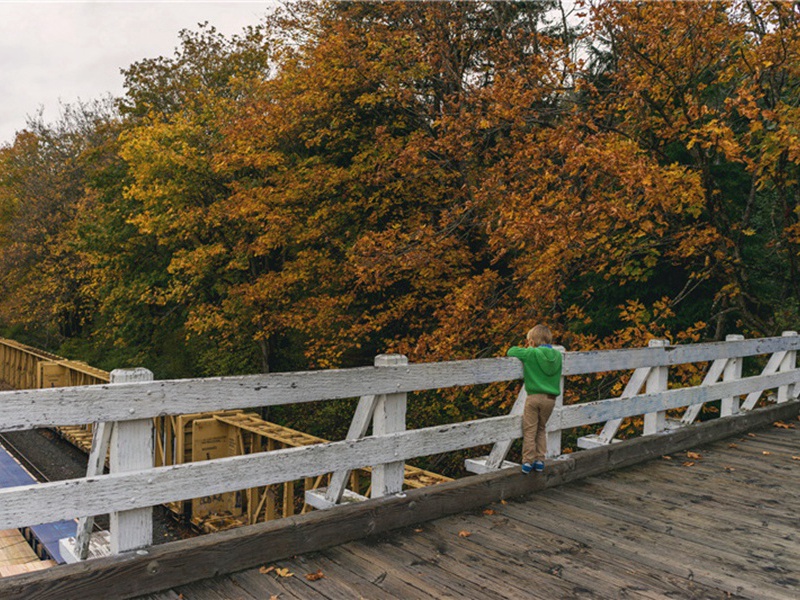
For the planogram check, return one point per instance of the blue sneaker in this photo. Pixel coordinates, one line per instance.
(538, 466)
(527, 468)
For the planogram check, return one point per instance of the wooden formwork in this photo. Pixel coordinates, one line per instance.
(204, 436)
(193, 437)
(23, 367)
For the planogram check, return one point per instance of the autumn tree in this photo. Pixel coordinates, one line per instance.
(169, 251)
(42, 177)
(713, 87)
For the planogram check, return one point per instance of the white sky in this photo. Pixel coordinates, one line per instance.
(66, 51)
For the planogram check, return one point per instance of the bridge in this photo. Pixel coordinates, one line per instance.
(687, 509)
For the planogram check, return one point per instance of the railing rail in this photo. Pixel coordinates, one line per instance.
(137, 402)
(28, 409)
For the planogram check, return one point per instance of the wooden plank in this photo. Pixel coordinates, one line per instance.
(166, 566)
(668, 499)
(712, 375)
(433, 573)
(358, 429)
(599, 411)
(328, 586)
(101, 440)
(26, 505)
(772, 366)
(544, 555)
(461, 560)
(597, 361)
(691, 490)
(14, 548)
(710, 565)
(788, 363)
(657, 381)
(685, 526)
(511, 561)
(389, 417)
(733, 371)
(266, 587)
(632, 388)
(497, 455)
(130, 450)
(28, 409)
(391, 581)
(553, 552)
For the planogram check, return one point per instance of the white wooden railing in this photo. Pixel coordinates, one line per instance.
(132, 399)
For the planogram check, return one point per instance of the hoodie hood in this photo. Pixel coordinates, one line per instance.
(549, 360)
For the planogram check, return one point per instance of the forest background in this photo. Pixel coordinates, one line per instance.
(432, 178)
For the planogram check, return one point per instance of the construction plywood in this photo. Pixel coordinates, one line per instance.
(37, 565)
(213, 439)
(51, 374)
(14, 549)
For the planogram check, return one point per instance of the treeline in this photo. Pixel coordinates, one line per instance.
(347, 179)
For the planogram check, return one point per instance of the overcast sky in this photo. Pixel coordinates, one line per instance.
(65, 51)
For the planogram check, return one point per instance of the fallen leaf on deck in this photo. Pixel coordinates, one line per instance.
(273, 597)
(265, 569)
(732, 446)
(665, 457)
(688, 463)
(420, 530)
(693, 455)
(783, 425)
(503, 502)
(284, 572)
(314, 576)
(796, 458)
(766, 453)
(751, 435)
(464, 534)
(488, 511)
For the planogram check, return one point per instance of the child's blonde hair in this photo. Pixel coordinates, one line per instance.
(540, 335)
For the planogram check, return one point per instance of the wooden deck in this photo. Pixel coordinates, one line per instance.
(723, 525)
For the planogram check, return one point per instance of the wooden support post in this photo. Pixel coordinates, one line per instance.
(733, 370)
(497, 457)
(554, 436)
(712, 376)
(288, 498)
(389, 417)
(131, 450)
(772, 366)
(656, 382)
(358, 429)
(606, 436)
(789, 363)
(101, 437)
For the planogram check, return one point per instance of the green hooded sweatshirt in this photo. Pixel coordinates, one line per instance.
(541, 367)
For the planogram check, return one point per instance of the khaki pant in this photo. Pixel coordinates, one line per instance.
(538, 408)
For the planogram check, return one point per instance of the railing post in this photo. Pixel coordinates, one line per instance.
(554, 436)
(656, 382)
(788, 363)
(733, 370)
(389, 417)
(131, 449)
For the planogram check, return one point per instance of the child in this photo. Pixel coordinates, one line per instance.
(541, 367)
